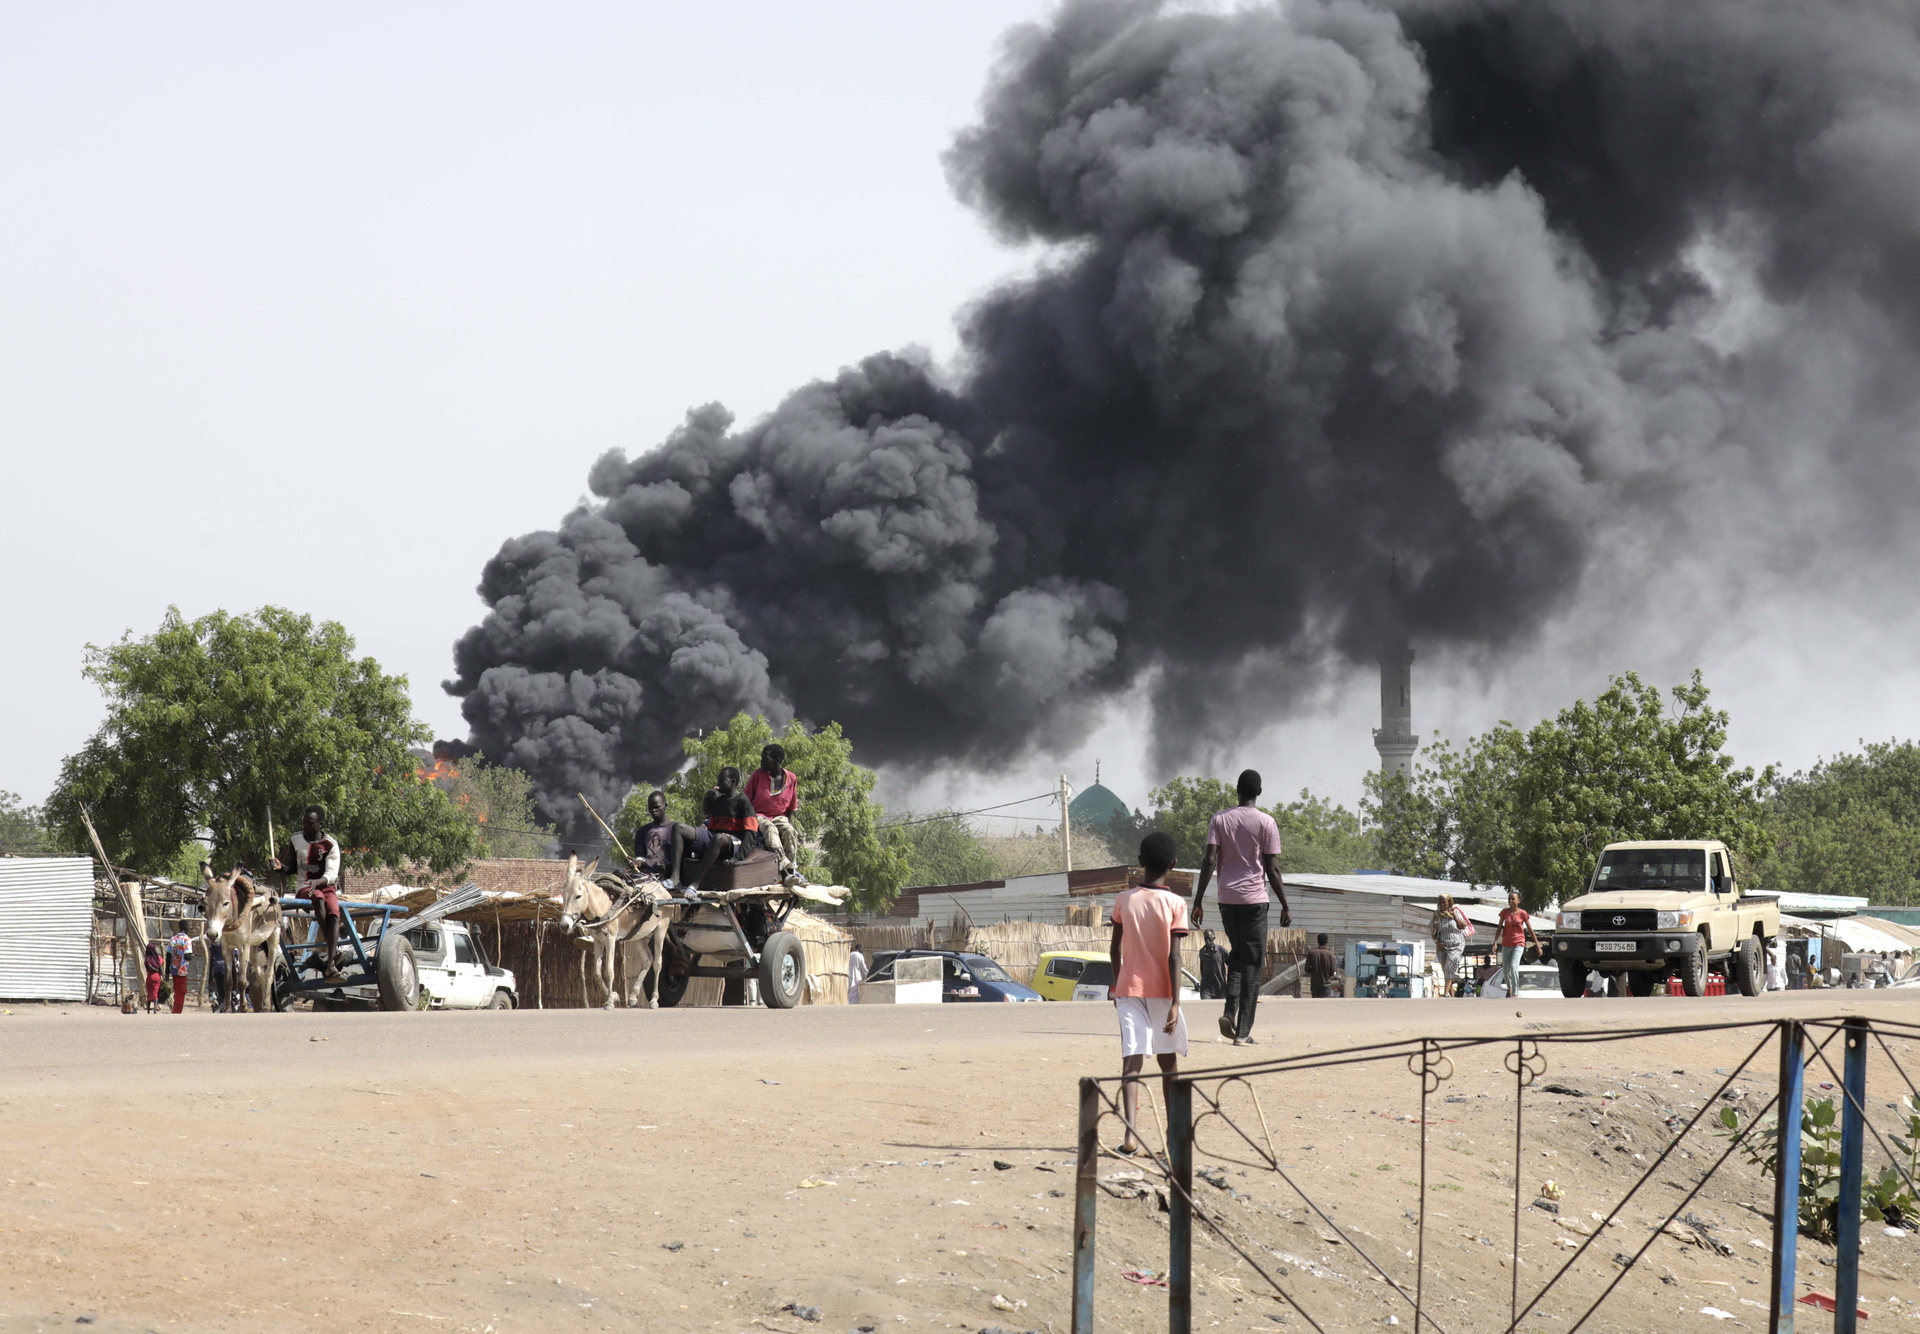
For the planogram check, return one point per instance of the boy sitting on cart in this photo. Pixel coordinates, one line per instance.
(732, 829)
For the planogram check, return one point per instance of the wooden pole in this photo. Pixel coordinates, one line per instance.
(136, 926)
(1066, 833)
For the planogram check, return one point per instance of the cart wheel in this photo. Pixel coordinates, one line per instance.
(671, 985)
(282, 992)
(398, 976)
(783, 971)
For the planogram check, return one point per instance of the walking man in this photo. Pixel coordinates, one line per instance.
(313, 857)
(1244, 843)
(1149, 922)
(1213, 970)
(1516, 929)
(1320, 966)
(856, 974)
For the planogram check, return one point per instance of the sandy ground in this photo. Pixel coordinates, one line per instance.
(701, 1170)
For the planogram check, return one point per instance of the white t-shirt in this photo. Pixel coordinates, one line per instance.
(318, 860)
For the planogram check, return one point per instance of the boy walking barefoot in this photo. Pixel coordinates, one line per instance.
(1148, 922)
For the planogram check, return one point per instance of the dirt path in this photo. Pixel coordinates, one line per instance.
(700, 1170)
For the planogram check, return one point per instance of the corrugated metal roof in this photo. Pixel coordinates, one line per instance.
(1406, 886)
(46, 920)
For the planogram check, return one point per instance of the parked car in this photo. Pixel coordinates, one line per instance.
(964, 977)
(1537, 982)
(455, 974)
(1086, 974)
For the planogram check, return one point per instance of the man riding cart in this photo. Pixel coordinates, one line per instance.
(313, 858)
(729, 917)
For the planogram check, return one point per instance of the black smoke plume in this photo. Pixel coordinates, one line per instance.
(1329, 286)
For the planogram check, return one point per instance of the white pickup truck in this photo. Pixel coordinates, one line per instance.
(455, 974)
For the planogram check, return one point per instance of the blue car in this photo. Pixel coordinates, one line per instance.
(964, 977)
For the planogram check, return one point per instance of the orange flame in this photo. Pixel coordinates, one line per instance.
(441, 768)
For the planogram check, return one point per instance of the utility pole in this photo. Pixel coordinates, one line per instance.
(1066, 831)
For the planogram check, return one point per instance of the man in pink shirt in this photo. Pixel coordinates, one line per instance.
(775, 794)
(1149, 922)
(1244, 843)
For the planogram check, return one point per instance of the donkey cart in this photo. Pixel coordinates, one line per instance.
(378, 954)
(737, 935)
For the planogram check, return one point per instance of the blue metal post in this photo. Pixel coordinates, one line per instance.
(1086, 1191)
(1180, 1208)
(1786, 1181)
(1853, 1079)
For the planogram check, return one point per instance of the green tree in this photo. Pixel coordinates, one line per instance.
(23, 833)
(499, 800)
(1850, 825)
(838, 819)
(1317, 836)
(212, 722)
(1531, 811)
(1182, 808)
(943, 849)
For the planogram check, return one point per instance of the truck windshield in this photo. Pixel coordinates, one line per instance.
(1652, 868)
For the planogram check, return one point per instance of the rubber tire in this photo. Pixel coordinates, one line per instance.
(397, 974)
(670, 987)
(282, 993)
(1573, 979)
(1747, 968)
(1641, 981)
(783, 971)
(1693, 975)
(500, 1001)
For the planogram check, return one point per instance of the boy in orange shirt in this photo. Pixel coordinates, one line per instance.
(1148, 922)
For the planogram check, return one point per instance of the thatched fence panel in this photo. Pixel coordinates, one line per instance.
(1017, 946)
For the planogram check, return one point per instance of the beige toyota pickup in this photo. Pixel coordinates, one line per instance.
(1661, 908)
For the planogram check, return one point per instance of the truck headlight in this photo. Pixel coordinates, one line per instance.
(1567, 921)
(1673, 921)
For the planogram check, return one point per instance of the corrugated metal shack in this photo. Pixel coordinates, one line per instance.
(46, 922)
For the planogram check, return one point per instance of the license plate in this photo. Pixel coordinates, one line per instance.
(1615, 946)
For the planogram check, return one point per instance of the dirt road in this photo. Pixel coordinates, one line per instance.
(701, 1170)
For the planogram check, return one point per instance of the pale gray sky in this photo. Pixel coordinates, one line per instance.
(314, 305)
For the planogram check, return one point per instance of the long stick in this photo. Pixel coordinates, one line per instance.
(273, 849)
(603, 824)
(136, 926)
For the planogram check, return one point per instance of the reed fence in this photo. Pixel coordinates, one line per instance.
(1017, 946)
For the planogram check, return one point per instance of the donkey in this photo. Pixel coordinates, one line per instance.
(637, 933)
(245, 919)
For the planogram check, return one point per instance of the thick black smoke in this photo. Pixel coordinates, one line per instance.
(1332, 285)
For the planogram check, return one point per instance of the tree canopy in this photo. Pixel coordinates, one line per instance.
(211, 723)
(1532, 810)
(1850, 825)
(838, 820)
(500, 801)
(1316, 835)
(23, 833)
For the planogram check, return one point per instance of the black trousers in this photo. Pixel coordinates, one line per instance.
(1246, 928)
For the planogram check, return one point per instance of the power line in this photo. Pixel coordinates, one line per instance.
(952, 815)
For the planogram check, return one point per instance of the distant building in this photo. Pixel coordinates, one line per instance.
(1096, 807)
(1394, 738)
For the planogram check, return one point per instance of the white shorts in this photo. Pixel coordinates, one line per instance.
(1143, 1023)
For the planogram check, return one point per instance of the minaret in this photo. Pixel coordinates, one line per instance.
(1394, 738)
